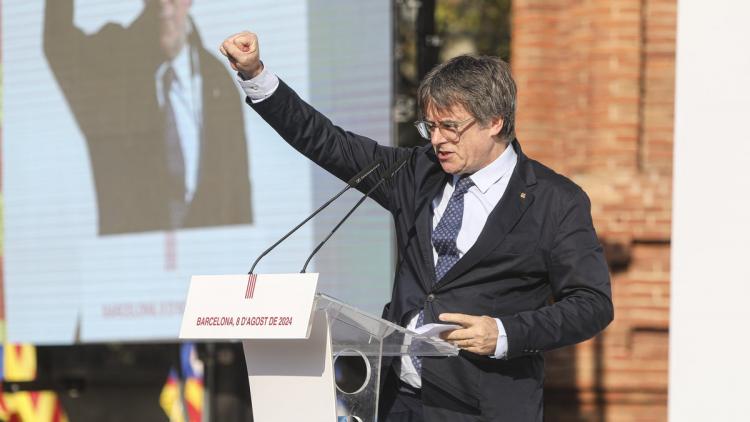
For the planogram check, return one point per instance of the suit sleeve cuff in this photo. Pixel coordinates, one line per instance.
(260, 87)
(501, 349)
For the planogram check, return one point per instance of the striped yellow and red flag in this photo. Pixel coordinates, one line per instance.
(20, 365)
(19, 362)
(182, 394)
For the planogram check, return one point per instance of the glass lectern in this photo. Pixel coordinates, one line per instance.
(344, 351)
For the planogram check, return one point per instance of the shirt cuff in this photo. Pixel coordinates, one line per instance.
(260, 87)
(501, 350)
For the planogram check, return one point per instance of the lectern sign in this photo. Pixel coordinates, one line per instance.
(265, 306)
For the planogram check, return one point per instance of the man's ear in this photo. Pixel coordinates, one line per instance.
(496, 126)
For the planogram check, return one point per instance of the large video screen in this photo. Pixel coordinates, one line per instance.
(130, 161)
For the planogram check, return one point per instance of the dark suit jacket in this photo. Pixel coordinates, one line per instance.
(537, 265)
(108, 79)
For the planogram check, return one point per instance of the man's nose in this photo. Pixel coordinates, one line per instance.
(437, 138)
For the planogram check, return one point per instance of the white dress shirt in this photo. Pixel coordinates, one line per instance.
(489, 186)
(186, 97)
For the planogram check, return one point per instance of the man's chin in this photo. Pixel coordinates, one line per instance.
(450, 168)
(172, 45)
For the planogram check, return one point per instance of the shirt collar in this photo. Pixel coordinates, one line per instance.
(182, 63)
(182, 66)
(496, 170)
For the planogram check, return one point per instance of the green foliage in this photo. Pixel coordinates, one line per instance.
(483, 23)
(461, 26)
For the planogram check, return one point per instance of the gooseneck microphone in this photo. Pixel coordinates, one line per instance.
(389, 173)
(353, 182)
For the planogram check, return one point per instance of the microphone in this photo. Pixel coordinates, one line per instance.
(351, 183)
(389, 173)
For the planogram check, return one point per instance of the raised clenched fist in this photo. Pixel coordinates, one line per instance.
(243, 53)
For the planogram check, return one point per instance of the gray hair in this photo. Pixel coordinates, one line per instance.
(483, 85)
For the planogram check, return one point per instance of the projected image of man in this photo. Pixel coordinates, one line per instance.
(161, 117)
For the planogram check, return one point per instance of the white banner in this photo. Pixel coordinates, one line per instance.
(264, 306)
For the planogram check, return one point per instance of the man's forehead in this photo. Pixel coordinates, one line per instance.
(454, 112)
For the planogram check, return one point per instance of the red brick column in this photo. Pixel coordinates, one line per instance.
(596, 103)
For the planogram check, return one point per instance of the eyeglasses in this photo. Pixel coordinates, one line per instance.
(450, 130)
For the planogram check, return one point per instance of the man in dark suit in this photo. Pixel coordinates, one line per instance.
(161, 117)
(487, 238)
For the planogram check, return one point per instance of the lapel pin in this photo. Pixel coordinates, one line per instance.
(523, 195)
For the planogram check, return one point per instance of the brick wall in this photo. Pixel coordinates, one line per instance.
(596, 103)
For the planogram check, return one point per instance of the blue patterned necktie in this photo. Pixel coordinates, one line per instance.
(444, 238)
(446, 232)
